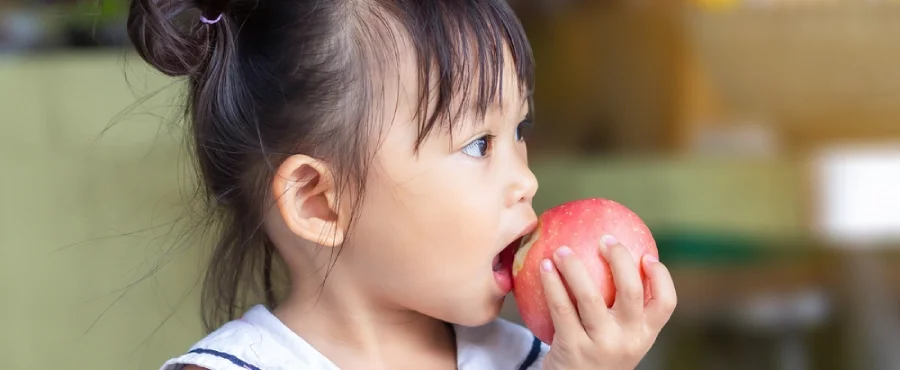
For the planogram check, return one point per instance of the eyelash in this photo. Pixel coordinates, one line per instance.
(483, 144)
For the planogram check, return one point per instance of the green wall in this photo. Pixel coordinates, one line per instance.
(83, 217)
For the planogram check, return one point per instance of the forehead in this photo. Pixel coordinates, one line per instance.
(450, 64)
(422, 97)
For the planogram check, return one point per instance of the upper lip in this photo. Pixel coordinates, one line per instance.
(528, 229)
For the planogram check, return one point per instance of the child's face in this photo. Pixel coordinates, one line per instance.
(432, 225)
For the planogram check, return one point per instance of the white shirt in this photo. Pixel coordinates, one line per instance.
(260, 341)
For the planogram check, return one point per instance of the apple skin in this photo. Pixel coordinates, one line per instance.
(578, 225)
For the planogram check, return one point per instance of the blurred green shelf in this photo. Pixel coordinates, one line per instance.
(710, 249)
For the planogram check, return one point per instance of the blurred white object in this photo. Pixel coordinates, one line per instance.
(743, 139)
(859, 196)
(788, 316)
(859, 211)
(784, 312)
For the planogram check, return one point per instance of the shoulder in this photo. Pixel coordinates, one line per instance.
(224, 349)
(256, 341)
(500, 344)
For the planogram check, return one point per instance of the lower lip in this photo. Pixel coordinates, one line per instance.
(504, 279)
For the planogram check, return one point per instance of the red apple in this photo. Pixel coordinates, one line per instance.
(578, 225)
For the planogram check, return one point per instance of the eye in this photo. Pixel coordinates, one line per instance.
(479, 147)
(523, 130)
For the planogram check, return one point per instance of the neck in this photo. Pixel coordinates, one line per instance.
(343, 322)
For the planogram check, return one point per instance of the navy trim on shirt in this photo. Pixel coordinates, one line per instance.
(234, 360)
(533, 355)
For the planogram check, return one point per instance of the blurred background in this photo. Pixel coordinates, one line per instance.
(757, 138)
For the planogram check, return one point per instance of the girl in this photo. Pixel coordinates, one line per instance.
(372, 153)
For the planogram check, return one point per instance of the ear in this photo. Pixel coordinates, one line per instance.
(305, 193)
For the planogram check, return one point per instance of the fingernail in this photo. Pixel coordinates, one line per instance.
(563, 252)
(608, 240)
(651, 259)
(546, 265)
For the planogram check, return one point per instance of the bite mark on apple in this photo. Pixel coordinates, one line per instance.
(524, 247)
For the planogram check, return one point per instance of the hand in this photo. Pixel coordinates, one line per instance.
(589, 334)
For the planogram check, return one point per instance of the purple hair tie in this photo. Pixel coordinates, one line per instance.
(211, 21)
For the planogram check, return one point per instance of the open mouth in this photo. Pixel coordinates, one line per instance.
(504, 260)
(505, 264)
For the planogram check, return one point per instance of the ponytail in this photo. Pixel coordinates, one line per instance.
(195, 39)
(170, 36)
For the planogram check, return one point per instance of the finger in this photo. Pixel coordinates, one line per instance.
(592, 308)
(664, 299)
(562, 310)
(629, 306)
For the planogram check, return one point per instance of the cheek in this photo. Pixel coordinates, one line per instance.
(430, 224)
(448, 225)
(434, 218)
(457, 214)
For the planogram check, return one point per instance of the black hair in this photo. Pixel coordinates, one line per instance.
(279, 77)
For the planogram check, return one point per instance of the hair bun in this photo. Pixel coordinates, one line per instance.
(168, 34)
(212, 8)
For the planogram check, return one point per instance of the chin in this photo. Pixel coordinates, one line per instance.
(490, 311)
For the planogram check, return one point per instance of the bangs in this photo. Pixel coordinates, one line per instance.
(461, 48)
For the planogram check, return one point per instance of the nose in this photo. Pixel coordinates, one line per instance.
(523, 187)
